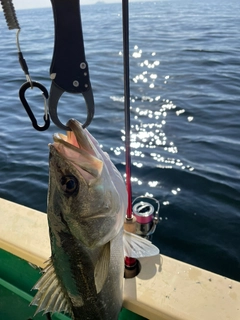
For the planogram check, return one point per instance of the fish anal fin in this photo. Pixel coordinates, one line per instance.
(101, 268)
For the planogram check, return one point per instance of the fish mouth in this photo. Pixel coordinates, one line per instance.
(75, 139)
(78, 148)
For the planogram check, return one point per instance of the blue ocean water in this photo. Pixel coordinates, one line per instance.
(184, 69)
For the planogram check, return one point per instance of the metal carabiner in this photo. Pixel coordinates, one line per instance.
(46, 117)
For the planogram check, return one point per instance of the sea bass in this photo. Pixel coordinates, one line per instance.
(87, 203)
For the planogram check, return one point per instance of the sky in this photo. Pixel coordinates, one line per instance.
(28, 4)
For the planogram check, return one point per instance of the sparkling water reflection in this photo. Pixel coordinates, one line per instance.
(150, 117)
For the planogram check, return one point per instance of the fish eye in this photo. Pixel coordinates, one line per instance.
(69, 184)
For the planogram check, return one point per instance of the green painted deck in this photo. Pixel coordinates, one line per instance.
(17, 277)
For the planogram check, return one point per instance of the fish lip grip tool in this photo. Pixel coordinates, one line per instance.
(69, 69)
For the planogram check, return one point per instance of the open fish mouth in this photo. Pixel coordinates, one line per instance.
(78, 148)
(76, 139)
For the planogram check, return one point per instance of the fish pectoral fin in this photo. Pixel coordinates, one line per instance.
(50, 296)
(138, 247)
(101, 268)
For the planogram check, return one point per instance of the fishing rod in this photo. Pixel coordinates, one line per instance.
(147, 207)
(131, 264)
(125, 23)
(143, 213)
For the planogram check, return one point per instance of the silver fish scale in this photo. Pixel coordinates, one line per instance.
(107, 304)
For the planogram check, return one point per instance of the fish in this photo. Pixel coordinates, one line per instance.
(86, 208)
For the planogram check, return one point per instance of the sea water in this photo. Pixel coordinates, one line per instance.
(185, 112)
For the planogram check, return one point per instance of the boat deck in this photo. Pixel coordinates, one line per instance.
(165, 289)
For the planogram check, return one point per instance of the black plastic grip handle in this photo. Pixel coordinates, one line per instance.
(69, 69)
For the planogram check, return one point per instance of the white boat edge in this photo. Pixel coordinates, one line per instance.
(165, 289)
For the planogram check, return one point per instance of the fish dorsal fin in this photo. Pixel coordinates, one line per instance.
(138, 247)
(101, 268)
(50, 296)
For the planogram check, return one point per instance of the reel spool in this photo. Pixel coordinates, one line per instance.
(146, 211)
